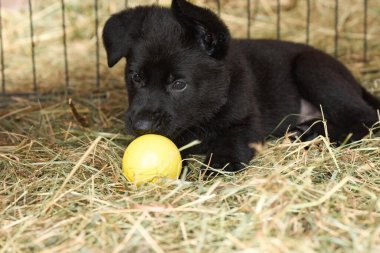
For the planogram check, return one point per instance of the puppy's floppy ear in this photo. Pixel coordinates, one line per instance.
(209, 30)
(120, 31)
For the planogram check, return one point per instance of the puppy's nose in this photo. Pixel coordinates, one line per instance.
(143, 127)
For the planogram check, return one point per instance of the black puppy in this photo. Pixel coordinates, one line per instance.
(187, 80)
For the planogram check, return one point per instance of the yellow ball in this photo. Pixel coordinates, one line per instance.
(151, 157)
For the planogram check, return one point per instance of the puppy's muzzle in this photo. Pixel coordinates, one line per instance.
(143, 126)
(149, 122)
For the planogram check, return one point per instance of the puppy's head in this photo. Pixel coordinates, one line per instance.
(175, 73)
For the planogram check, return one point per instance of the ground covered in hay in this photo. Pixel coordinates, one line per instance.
(62, 190)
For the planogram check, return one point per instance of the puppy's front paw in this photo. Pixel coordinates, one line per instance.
(302, 133)
(229, 153)
(218, 165)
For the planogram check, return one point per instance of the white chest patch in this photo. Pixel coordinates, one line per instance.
(308, 111)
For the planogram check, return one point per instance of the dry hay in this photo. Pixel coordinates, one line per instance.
(62, 189)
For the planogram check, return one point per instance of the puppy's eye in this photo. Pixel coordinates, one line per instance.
(136, 78)
(208, 38)
(178, 85)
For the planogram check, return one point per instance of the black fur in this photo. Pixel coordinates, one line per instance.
(187, 80)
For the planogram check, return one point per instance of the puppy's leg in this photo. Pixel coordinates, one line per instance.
(230, 150)
(324, 81)
(311, 129)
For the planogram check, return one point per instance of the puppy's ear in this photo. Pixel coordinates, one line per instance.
(209, 31)
(120, 31)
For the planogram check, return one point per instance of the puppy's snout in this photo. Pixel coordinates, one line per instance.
(143, 127)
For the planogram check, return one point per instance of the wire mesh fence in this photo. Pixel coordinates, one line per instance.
(65, 52)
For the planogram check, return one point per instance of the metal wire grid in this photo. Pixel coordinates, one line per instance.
(3, 90)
